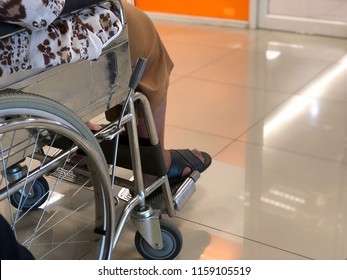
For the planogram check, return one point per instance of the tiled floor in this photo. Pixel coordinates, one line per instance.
(270, 108)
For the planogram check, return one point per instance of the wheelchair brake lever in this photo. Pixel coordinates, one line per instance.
(138, 72)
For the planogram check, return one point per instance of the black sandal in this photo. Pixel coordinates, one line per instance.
(180, 159)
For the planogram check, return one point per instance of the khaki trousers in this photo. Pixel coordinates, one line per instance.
(144, 41)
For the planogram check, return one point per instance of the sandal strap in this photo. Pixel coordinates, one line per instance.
(180, 159)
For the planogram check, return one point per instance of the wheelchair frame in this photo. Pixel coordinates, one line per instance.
(36, 114)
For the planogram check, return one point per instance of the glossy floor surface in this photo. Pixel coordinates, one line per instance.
(270, 108)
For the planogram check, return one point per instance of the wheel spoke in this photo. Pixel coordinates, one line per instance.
(53, 214)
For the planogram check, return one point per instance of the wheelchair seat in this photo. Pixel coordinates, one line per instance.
(77, 32)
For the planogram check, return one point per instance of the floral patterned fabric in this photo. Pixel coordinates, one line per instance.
(53, 40)
(32, 14)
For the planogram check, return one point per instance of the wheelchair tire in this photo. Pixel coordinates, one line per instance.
(37, 196)
(172, 239)
(78, 220)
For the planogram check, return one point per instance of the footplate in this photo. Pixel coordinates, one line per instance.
(181, 193)
(73, 177)
(186, 190)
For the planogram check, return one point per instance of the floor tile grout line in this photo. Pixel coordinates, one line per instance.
(245, 238)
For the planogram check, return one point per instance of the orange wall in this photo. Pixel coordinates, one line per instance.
(225, 9)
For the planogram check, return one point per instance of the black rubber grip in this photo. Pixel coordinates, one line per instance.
(138, 72)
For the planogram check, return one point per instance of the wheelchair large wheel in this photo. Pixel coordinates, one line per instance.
(172, 240)
(55, 185)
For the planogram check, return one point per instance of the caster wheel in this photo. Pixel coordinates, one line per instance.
(36, 197)
(172, 239)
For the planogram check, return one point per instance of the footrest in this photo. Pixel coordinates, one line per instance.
(72, 177)
(181, 193)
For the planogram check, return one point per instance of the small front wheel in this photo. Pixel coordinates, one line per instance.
(172, 240)
(36, 196)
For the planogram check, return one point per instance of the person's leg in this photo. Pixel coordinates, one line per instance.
(144, 41)
(159, 114)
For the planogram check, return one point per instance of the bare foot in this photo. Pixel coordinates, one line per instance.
(93, 126)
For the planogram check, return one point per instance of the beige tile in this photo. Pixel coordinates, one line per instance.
(330, 84)
(125, 248)
(306, 126)
(234, 154)
(219, 199)
(214, 36)
(292, 202)
(253, 69)
(286, 197)
(178, 138)
(217, 109)
(205, 243)
(298, 45)
(165, 28)
(188, 58)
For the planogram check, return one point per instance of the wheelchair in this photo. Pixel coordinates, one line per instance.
(59, 180)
